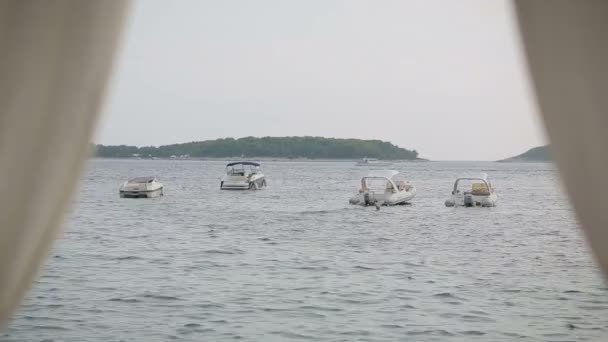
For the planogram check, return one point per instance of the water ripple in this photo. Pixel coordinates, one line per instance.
(297, 262)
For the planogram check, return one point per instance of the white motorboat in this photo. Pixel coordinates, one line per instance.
(383, 188)
(479, 192)
(141, 187)
(373, 162)
(243, 176)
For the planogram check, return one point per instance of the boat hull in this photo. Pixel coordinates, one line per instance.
(141, 194)
(243, 183)
(470, 200)
(386, 199)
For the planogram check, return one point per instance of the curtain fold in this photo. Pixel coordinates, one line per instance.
(55, 59)
(567, 52)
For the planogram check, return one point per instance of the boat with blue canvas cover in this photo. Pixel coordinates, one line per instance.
(244, 175)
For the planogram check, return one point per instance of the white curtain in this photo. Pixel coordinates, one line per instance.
(55, 59)
(566, 44)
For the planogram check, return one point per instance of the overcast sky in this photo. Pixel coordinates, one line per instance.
(443, 77)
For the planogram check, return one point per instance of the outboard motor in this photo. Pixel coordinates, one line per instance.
(367, 199)
(468, 201)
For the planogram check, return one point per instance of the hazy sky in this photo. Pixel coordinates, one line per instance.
(443, 77)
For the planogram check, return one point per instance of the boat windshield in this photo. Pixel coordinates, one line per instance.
(475, 186)
(148, 179)
(242, 169)
(376, 184)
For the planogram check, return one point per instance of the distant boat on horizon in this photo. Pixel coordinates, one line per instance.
(372, 162)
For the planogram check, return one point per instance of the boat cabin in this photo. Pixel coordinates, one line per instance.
(243, 168)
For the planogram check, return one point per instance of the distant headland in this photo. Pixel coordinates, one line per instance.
(266, 147)
(537, 154)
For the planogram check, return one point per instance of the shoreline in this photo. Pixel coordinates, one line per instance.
(263, 159)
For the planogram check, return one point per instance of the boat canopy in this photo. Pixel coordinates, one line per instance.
(382, 174)
(484, 186)
(146, 179)
(481, 176)
(243, 163)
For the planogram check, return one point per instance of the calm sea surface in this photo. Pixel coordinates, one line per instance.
(296, 262)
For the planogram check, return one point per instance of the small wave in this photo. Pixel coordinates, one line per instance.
(411, 264)
(315, 315)
(510, 334)
(356, 333)
(314, 212)
(359, 267)
(161, 297)
(358, 302)
(383, 239)
(94, 310)
(292, 335)
(50, 276)
(138, 236)
(129, 257)
(125, 300)
(244, 312)
(511, 290)
(219, 321)
(407, 290)
(477, 312)
(320, 308)
(43, 318)
(313, 268)
(50, 327)
(304, 288)
(594, 307)
(430, 332)
(209, 306)
(192, 325)
(274, 309)
(573, 326)
(476, 318)
(446, 295)
(473, 332)
(188, 330)
(221, 251)
(54, 306)
(572, 291)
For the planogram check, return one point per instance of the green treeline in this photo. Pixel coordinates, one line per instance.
(541, 153)
(274, 147)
